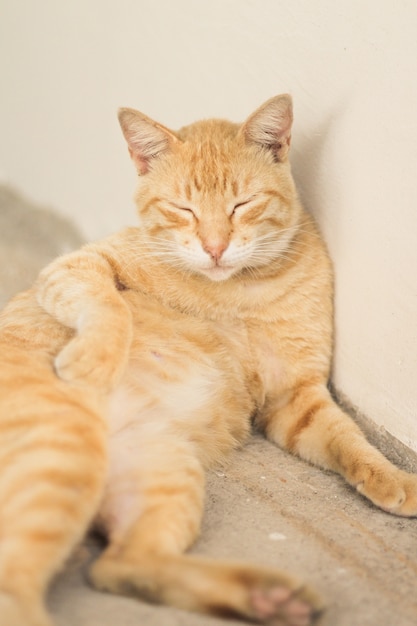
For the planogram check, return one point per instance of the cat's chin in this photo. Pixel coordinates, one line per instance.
(218, 273)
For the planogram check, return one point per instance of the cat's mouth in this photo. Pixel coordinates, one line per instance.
(218, 272)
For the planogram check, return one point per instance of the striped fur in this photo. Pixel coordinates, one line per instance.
(138, 361)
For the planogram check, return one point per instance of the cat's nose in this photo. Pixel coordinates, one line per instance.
(215, 248)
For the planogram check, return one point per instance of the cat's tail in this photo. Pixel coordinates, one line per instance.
(52, 469)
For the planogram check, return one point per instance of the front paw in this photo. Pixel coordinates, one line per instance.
(91, 360)
(392, 490)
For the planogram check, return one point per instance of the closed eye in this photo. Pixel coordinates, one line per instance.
(182, 208)
(242, 204)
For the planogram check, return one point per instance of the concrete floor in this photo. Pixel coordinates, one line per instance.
(266, 506)
(271, 508)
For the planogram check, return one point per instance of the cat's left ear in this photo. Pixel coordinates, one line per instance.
(145, 138)
(270, 126)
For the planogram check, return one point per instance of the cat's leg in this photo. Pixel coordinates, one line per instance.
(82, 291)
(52, 470)
(308, 422)
(145, 554)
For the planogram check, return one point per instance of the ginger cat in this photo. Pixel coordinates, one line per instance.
(138, 361)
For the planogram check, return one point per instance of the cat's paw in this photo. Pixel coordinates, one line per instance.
(392, 490)
(94, 360)
(280, 606)
(261, 595)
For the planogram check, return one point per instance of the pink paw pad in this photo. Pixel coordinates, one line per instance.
(280, 603)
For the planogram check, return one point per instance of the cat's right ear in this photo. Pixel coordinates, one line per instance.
(145, 138)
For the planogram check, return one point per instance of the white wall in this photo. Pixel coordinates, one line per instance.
(351, 66)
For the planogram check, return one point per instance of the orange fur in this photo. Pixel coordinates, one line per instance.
(140, 360)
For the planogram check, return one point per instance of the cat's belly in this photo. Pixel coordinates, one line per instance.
(174, 394)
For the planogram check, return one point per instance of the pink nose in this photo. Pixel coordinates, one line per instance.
(215, 249)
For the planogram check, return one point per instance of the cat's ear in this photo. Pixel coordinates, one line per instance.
(145, 138)
(270, 126)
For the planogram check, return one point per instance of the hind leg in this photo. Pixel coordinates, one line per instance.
(311, 425)
(52, 469)
(145, 555)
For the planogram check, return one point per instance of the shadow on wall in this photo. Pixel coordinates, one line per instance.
(312, 167)
(30, 237)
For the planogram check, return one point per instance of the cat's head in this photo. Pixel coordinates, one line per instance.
(216, 198)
